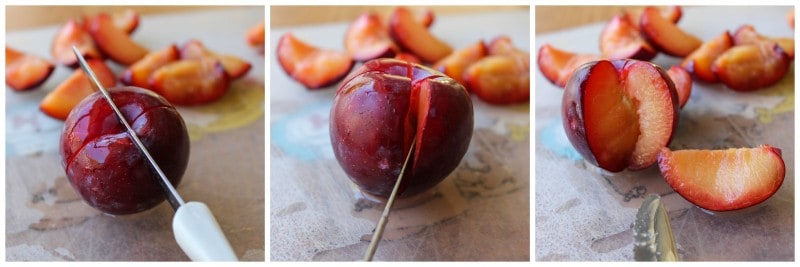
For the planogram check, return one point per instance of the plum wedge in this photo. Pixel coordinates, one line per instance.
(683, 83)
(255, 36)
(747, 34)
(59, 102)
(557, 65)
(699, 62)
(126, 20)
(621, 39)
(619, 114)
(413, 35)
(234, 66)
(499, 80)
(751, 67)
(25, 71)
(457, 62)
(665, 35)
(724, 180)
(368, 38)
(671, 13)
(190, 82)
(114, 42)
(503, 77)
(73, 34)
(138, 74)
(311, 66)
(427, 17)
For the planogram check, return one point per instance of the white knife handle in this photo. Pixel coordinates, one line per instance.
(199, 235)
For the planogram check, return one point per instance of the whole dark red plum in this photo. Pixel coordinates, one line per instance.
(377, 112)
(103, 164)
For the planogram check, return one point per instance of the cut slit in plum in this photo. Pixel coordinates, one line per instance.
(430, 98)
(419, 105)
(432, 101)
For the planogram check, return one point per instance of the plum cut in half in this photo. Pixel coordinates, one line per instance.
(618, 114)
(381, 108)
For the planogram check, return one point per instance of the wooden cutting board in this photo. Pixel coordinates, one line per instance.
(47, 220)
(583, 213)
(480, 211)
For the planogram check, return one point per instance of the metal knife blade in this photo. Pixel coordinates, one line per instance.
(652, 233)
(376, 236)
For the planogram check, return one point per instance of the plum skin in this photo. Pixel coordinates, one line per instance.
(381, 107)
(103, 164)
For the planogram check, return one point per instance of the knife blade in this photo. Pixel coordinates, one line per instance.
(653, 239)
(384, 219)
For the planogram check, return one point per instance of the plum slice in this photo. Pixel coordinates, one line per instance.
(621, 39)
(457, 62)
(723, 180)
(114, 42)
(683, 83)
(312, 66)
(385, 105)
(73, 34)
(502, 77)
(255, 36)
(59, 102)
(138, 74)
(413, 35)
(26, 71)
(671, 13)
(699, 62)
(746, 34)
(233, 65)
(126, 20)
(500, 80)
(557, 65)
(665, 35)
(190, 82)
(368, 38)
(751, 67)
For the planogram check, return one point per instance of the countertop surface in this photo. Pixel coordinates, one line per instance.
(47, 220)
(584, 213)
(480, 211)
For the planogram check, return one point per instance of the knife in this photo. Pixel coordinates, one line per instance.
(196, 231)
(652, 233)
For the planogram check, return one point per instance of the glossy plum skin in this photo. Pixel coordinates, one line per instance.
(378, 111)
(103, 164)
